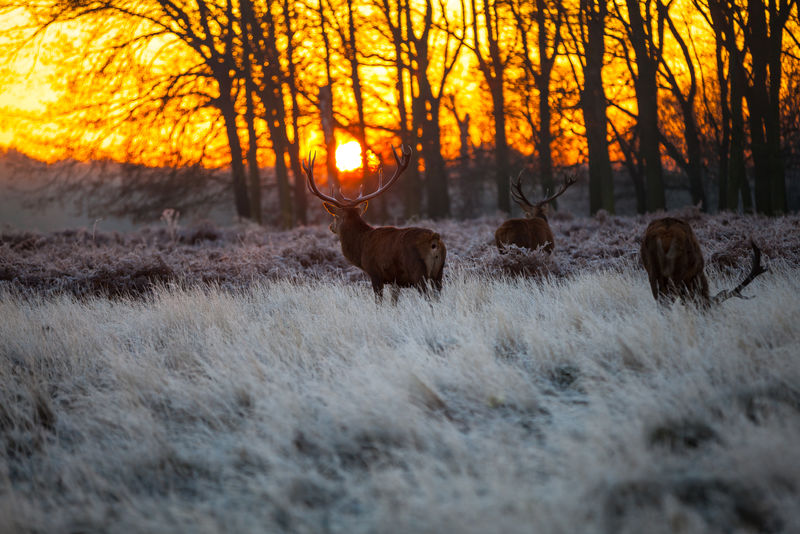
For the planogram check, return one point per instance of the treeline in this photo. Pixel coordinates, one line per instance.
(704, 88)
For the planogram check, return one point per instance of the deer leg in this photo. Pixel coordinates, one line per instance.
(698, 291)
(395, 293)
(437, 283)
(377, 287)
(654, 286)
(704, 289)
(667, 291)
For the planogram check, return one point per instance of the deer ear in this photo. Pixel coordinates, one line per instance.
(330, 208)
(545, 209)
(364, 208)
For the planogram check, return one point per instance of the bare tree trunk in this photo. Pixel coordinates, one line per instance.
(326, 118)
(265, 52)
(254, 189)
(594, 105)
(737, 175)
(254, 176)
(412, 183)
(502, 174)
(634, 167)
(724, 145)
(547, 54)
(763, 33)
(352, 56)
(692, 164)
(326, 107)
(435, 172)
(300, 202)
(228, 112)
(757, 101)
(493, 70)
(647, 59)
(777, 22)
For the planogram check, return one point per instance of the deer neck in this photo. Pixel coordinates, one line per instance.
(538, 214)
(352, 234)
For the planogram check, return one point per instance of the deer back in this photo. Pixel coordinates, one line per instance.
(673, 260)
(404, 256)
(528, 233)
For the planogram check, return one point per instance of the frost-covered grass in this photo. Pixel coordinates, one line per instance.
(87, 262)
(569, 403)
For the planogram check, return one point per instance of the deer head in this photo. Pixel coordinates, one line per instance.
(540, 208)
(400, 256)
(342, 207)
(674, 263)
(533, 231)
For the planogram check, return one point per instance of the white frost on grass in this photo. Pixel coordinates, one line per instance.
(506, 405)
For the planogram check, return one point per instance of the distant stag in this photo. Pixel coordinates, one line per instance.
(533, 231)
(674, 263)
(405, 257)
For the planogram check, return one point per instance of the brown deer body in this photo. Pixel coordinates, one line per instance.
(533, 231)
(404, 257)
(674, 263)
(527, 233)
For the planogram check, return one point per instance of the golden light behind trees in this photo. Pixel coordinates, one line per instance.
(239, 84)
(348, 156)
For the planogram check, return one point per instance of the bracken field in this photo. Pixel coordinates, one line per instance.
(207, 379)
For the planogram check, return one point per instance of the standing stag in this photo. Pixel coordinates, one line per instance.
(405, 257)
(533, 231)
(674, 263)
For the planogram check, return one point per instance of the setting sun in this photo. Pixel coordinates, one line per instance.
(348, 156)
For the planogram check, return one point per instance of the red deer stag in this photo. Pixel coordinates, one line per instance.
(533, 231)
(674, 263)
(405, 257)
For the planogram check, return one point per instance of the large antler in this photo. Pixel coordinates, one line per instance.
(339, 200)
(755, 270)
(516, 191)
(308, 168)
(569, 179)
(519, 197)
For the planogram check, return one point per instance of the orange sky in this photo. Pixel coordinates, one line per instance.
(25, 92)
(26, 96)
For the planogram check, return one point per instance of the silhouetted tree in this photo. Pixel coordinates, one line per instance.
(644, 32)
(544, 20)
(492, 61)
(589, 38)
(763, 35)
(692, 161)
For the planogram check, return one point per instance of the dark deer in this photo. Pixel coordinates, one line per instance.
(533, 231)
(674, 263)
(405, 257)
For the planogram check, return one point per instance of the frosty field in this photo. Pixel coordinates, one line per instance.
(144, 389)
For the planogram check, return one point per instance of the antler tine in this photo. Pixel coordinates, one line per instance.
(569, 179)
(403, 151)
(755, 269)
(308, 168)
(402, 165)
(308, 165)
(516, 191)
